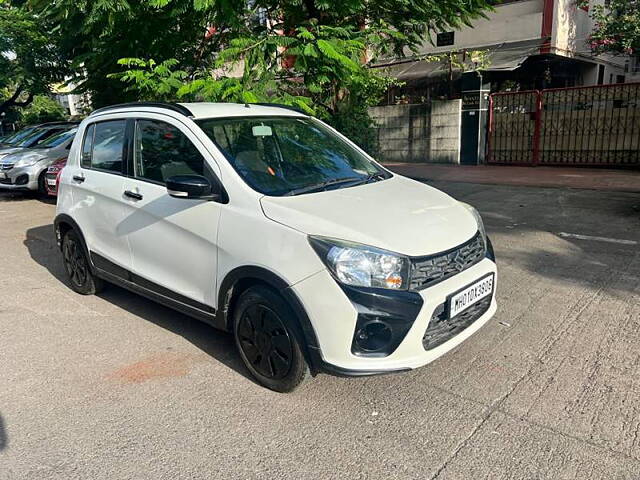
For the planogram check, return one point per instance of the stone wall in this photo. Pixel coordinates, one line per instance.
(425, 133)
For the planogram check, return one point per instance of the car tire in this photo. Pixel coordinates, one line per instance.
(42, 184)
(77, 266)
(268, 339)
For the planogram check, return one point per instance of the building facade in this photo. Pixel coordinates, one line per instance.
(523, 44)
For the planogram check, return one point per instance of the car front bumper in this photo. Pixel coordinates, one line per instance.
(21, 178)
(334, 317)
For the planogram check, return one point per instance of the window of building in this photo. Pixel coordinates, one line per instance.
(600, 74)
(445, 39)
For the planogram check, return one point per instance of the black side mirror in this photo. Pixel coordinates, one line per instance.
(192, 186)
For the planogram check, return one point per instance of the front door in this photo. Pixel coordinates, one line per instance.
(173, 240)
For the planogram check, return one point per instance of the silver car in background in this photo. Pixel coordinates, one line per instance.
(32, 136)
(25, 168)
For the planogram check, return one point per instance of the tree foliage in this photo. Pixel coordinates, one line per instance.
(617, 27)
(42, 109)
(94, 34)
(29, 60)
(313, 54)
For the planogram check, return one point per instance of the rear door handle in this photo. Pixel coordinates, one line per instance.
(134, 195)
(78, 178)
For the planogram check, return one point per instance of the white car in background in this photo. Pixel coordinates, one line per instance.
(267, 223)
(25, 168)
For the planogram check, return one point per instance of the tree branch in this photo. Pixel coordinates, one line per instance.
(24, 103)
(11, 101)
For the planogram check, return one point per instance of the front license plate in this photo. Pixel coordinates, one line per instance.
(51, 182)
(470, 295)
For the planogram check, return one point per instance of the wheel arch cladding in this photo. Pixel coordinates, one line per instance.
(242, 278)
(61, 225)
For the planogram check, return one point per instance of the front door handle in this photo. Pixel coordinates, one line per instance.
(78, 178)
(134, 195)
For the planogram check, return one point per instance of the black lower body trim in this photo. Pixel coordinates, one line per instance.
(201, 315)
(318, 365)
(384, 319)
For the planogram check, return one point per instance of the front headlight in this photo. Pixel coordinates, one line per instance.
(361, 265)
(479, 221)
(28, 161)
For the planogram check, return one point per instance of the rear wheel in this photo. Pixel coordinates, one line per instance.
(77, 266)
(265, 332)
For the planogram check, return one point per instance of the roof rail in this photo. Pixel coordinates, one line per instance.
(279, 105)
(168, 106)
(61, 122)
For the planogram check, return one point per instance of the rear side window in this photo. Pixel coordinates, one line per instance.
(103, 146)
(87, 147)
(162, 151)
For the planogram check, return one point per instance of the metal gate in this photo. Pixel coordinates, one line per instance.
(567, 126)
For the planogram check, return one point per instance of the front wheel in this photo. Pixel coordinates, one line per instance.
(77, 266)
(265, 334)
(42, 184)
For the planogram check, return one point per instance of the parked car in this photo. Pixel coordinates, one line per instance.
(32, 136)
(267, 223)
(26, 168)
(52, 177)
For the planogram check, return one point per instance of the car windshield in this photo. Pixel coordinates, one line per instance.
(290, 155)
(15, 138)
(57, 139)
(35, 137)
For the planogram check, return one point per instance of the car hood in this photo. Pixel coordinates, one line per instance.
(21, 153)
(396, 214)
(11, 150)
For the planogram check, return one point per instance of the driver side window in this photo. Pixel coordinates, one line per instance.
(162, 151)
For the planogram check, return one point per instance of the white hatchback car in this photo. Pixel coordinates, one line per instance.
(267, 223)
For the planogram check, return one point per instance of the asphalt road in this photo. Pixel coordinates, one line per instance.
(117, 387)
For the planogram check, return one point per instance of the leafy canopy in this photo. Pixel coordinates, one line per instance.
(312, 54)
(29, 60)
(617, 28)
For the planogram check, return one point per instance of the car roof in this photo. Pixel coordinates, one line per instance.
(50, 125)
(201, 110)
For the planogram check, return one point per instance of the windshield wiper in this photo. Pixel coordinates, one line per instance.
(316, 187)
(372, 177)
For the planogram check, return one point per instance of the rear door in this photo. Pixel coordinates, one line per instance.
(97, 194)
(173, 241)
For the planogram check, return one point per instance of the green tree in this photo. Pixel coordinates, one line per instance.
(42, 109)
(313, 54)
(94, 34)
(30, 62)
(617, 27)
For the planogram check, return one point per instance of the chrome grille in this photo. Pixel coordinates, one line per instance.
(427, 271)
(441, 328)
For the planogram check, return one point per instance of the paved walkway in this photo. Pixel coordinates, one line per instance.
(562, 177)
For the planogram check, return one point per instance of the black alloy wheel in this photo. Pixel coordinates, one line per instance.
(265, 342)
(75, 263)
(268, 339)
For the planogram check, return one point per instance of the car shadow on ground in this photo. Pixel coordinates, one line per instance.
(41, 244)
(3, 435)
(12, 196)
